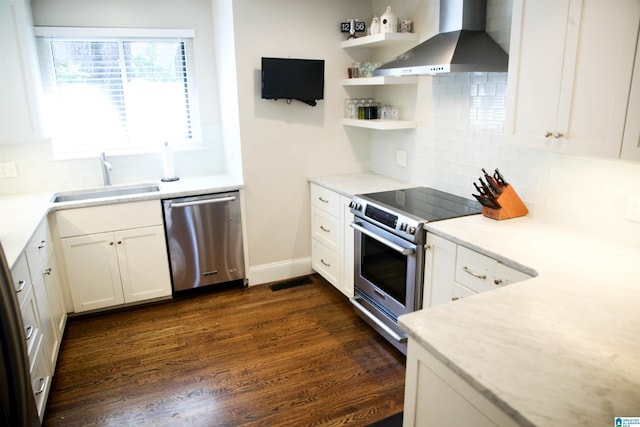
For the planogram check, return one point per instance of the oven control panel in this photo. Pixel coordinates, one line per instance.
(401, 225)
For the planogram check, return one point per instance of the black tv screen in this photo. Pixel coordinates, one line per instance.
(286, 78)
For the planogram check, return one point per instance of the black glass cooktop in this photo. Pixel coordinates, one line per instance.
(425, 204)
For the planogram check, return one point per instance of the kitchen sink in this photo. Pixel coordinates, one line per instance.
(101, 192)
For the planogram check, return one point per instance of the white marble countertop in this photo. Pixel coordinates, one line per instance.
(359, 183)
(21, 213)
(562, 348)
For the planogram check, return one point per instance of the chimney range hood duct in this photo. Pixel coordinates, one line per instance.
(461, 46)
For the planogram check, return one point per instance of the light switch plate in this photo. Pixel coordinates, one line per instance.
(8, 170)
(401, 158)
(633, 208)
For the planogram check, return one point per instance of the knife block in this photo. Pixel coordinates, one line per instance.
(511, 206)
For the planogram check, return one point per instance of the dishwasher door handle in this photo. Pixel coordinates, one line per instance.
(202, 202)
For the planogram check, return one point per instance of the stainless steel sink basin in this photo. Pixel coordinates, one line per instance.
(101, 192)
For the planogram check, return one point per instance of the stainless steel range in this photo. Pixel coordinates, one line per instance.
(389, 252)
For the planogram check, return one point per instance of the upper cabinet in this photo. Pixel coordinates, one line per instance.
(19, 75)
(570, 70)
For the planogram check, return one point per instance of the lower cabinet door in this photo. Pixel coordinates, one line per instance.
(143, 261)
(93, 271)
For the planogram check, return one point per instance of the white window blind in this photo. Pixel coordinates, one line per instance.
(118, 93)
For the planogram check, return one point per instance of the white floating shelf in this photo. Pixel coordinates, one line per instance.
(380, 124)
(380, 39)
(380, 80)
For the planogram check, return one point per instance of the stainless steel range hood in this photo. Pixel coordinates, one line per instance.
(461, 46)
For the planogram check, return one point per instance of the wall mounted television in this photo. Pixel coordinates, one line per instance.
(287, 78)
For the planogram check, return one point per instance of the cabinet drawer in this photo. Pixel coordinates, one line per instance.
(326, 200)
(30, 322)
(474, 270)
(326, 262)
(326, 229)
(507, 275)
(38, 249)
(40, 378)
(460, 292)
(21, 278)
(100, 219)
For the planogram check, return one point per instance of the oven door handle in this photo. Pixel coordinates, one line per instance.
(394, 246)
(374, 319)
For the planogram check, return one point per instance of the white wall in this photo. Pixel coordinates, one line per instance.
(283, 145)
(464, 133)
(39, 171)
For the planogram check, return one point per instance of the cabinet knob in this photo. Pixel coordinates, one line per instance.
(454, 298)
(547, 134)
(497, 281)
(558, 135)
(110, 243)
(119, 242)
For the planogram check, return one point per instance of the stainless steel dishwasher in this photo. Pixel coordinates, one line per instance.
(204, 238)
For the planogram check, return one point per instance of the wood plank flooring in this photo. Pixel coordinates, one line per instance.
(236, 357)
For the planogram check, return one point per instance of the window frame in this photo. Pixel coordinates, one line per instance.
(45, 34)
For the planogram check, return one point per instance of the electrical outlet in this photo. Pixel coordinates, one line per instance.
(8, 170)
(633, 208)
(401, 158)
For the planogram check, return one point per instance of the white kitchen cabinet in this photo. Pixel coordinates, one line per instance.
(34, 310)
(378, 41)
(439, 268)
(435, 396)
(332, 238)
(111, 258)
(348, 247)
(570, 69)
(48, 293)
(20, 85)
(453, 272)
(326, 234)
(631, 139)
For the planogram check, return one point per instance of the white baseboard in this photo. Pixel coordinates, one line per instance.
(273, 272)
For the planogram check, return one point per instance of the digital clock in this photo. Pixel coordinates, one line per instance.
(353, 26)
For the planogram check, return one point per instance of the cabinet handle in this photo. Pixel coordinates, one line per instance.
(474, 274)
(48, 271)
(547, 134)
(558, 135)
(43, 382)
(454, 298)
(497, 281)
(323, 200)
(42, 244)
(324, 229)
(327, 265)
(28, 333)
(21, 285)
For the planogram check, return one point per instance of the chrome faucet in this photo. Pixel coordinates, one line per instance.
(106, 169)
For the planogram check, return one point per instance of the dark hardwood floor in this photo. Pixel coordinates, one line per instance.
(237, 357)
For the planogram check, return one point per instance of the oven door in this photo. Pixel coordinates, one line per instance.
(385, 269)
